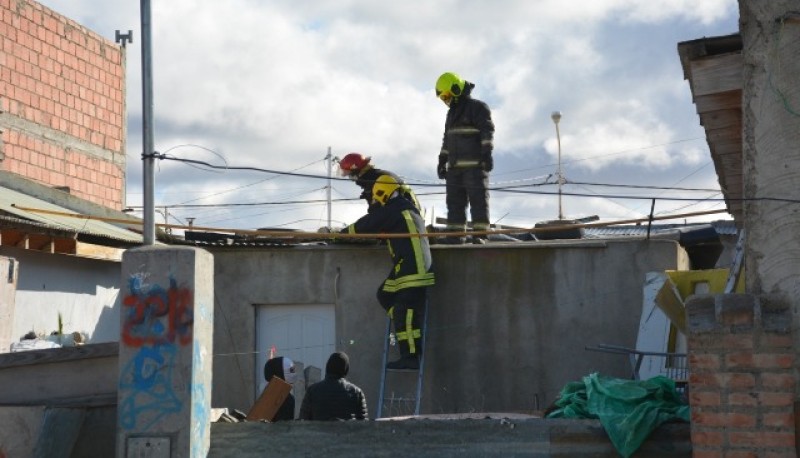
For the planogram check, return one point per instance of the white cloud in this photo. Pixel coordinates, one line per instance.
(272, 85)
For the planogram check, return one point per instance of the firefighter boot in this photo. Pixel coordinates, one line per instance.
(408, 361)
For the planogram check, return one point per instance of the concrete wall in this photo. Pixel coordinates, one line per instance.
(62, 103)
(507, 327)
(473, 436)
(84, 291)
(84, 375)
(423, 438)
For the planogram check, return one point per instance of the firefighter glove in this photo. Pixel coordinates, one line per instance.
(488, 163)
(441, 169)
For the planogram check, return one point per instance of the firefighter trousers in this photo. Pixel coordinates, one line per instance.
(467, 186)
(405, 307)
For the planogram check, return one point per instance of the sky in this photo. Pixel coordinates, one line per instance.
(273, 86)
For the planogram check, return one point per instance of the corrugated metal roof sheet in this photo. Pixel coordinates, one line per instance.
(13, 202)
(723, 227)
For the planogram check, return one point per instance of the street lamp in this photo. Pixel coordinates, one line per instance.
(556, 116)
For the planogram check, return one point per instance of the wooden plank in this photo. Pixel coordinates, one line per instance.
(724, 136)
(23, 242)
(721, 119)
(89, 250)
(66, 246)
(38, 242)
(670, 302)
(715, 74)
(729, 100)
(270, 401)
(728, 149)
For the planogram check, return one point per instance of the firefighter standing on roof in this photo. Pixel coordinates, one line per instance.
(465, 159)
(359, 168)
(403, 293)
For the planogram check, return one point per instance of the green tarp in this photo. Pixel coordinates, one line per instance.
(629, 410)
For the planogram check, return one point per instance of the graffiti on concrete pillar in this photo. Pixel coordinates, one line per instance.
(147, 382)
(157, 322)
(200, 413)
(154, 315)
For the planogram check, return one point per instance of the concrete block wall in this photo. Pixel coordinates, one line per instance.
(62, 103)
(741, 387)
(9, 272)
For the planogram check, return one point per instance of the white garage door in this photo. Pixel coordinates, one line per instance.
(305, 333)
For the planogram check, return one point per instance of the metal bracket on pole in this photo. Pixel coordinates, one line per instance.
(123, 38)
(738, 258)
(650, 218)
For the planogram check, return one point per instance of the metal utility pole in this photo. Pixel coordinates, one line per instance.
(149, 229)
(556, 115)
(329, 158)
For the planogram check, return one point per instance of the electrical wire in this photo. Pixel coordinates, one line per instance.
(509, 189)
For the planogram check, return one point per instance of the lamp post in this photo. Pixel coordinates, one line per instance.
(556, 116)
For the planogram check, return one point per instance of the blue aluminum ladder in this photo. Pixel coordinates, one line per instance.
(420, 372)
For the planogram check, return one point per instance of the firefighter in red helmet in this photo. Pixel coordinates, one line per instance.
(359, 168)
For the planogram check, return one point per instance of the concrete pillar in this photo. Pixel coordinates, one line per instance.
(771, 135)
(741, 387)
(8, 291)
(165, 352)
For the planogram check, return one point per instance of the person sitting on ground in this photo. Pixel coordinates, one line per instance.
(283, 368)
(334, 398)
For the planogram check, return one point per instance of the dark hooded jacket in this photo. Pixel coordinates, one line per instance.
(274, 367)
(334, 398)
(468, 132)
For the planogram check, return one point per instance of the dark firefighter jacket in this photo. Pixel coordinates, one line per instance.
(411, 255)
(368, 178)
(468, 132)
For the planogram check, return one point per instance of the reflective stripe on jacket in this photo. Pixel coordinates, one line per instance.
(411, 255)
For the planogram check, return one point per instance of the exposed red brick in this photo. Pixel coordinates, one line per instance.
(704, 398)
(741, 454)
(743, 399)
(726, 419)
(761, 439)
(775, 341)
(779, 420)
(705, 438)
(776, 399)
(777, 381)
(706, 453)
(44, 65)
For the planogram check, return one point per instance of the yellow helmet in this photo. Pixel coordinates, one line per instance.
(383, 188)
(449, 86)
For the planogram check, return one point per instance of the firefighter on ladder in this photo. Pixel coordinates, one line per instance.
(403, 293)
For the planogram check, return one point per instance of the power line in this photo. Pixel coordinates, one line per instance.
(509, 189)
(634, 186)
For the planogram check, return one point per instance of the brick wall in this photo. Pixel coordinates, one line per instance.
(62, 103)
(741, 388)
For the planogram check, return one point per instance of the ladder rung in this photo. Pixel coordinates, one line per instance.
(420, 371)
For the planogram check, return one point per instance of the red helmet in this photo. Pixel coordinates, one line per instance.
(353, 163)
